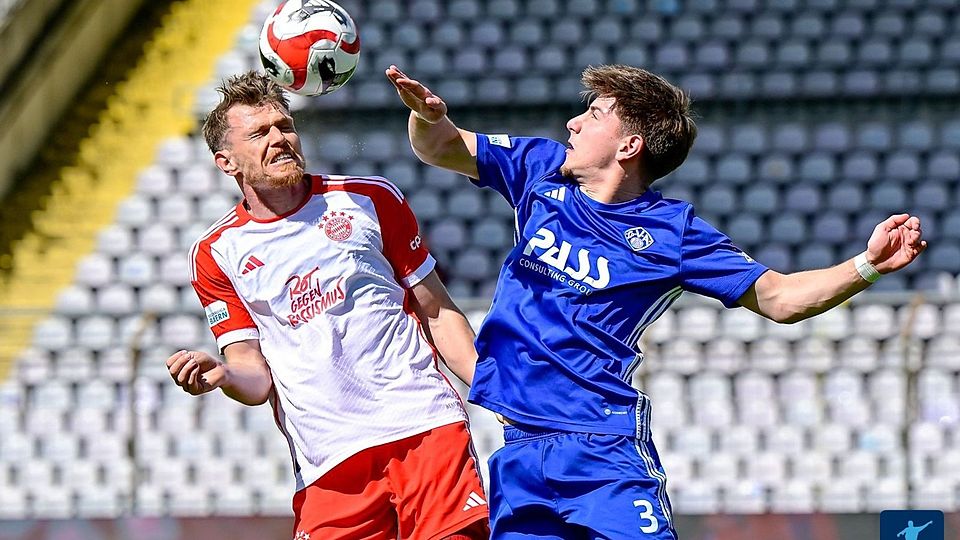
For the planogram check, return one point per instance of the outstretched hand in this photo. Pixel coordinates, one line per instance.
(416, 96)
(895, 243)
(196, 372)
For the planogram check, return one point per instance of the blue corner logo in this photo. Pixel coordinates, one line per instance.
(911, 525)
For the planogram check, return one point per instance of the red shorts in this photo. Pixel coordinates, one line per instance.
(423, 487)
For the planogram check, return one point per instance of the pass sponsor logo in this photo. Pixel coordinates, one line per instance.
(585, 273)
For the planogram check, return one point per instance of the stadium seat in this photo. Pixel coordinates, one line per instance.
(812, 466)
(721, 469)
(696, 497)
(795, 496)
(74, 300)
(766, 468)
(885, 493)
(745, 497)
(860, 467)
(115, 239)
(770, 354)
(841, 496)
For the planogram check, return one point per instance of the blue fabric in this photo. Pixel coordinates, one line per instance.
(560, 344)
(571, 486)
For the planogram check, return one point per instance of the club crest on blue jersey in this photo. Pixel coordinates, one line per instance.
(638, 238)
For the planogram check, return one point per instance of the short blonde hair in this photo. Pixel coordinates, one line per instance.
(250, 88)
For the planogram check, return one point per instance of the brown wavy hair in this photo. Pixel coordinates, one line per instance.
(649, 106)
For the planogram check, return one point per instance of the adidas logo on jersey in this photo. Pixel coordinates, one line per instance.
(252, 264)
(473, 501)
(559, 194)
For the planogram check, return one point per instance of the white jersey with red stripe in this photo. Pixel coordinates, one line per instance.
(324, 290)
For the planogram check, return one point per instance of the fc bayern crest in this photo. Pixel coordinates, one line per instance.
(337, 225)
(638, 238)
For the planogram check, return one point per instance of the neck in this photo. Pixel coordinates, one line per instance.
(613, 190)
(272, 202)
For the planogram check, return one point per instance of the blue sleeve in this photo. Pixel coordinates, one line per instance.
(510, 164)
(712, 266)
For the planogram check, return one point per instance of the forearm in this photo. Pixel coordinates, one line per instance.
(454, 339)
(440, 144)
(802, 295)
(249, 384)
(246, 375)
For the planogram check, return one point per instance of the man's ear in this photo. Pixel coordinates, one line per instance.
(224, 161)
(630, 147)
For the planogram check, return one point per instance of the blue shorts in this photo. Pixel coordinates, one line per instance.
(548, 484)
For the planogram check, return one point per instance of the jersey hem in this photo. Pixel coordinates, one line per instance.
(744, 285)
(331, 462)
(420, 273)
(559, 425)
(235, 336)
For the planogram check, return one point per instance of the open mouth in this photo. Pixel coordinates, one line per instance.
(282, 157)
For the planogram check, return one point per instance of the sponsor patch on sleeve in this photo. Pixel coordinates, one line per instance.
(217, 312)
(500, 140)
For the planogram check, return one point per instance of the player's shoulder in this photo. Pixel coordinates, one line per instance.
(230, 220)
(670, 208)
(371, 186)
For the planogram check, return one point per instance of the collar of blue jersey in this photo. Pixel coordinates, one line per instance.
(645, 199)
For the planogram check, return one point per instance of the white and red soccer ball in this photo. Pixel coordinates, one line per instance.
(310, 47)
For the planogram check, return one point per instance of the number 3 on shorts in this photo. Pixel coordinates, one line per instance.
(647, 514)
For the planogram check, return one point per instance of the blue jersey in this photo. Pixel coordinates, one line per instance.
(561, 341)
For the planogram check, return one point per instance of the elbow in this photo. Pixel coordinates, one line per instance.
(783, 315)
(790, 319)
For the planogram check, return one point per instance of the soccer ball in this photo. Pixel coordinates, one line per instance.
(310, 47)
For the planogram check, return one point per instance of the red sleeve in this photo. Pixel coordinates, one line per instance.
(402, 243)
(227, 316)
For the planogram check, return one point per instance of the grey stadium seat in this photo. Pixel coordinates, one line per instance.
(790, 138)
(777, 168)
(789, 229)
(487, 33)
(831, 228)
(733, 169)
(889, 197)
(916, 135)
(803, 198)
(860, 167)
(717, 199)
(447, 33)
(527, 32)
(761, 198)
(902, 166)
(746, 230)
(943, 166)
(793, 54)
(832, 137)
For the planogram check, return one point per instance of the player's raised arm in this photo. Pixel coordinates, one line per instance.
(244, 377)
(434, 138)
(790, 298)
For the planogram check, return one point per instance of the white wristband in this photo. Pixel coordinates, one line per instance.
(866, 270)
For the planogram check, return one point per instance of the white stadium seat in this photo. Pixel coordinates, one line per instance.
(813, 466)
(115, 240)
(841, 496)
(886, 493)
(815, 354)
(795, 496)
(155, 180)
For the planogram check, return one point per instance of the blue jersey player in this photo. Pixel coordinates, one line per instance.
(599, 257)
